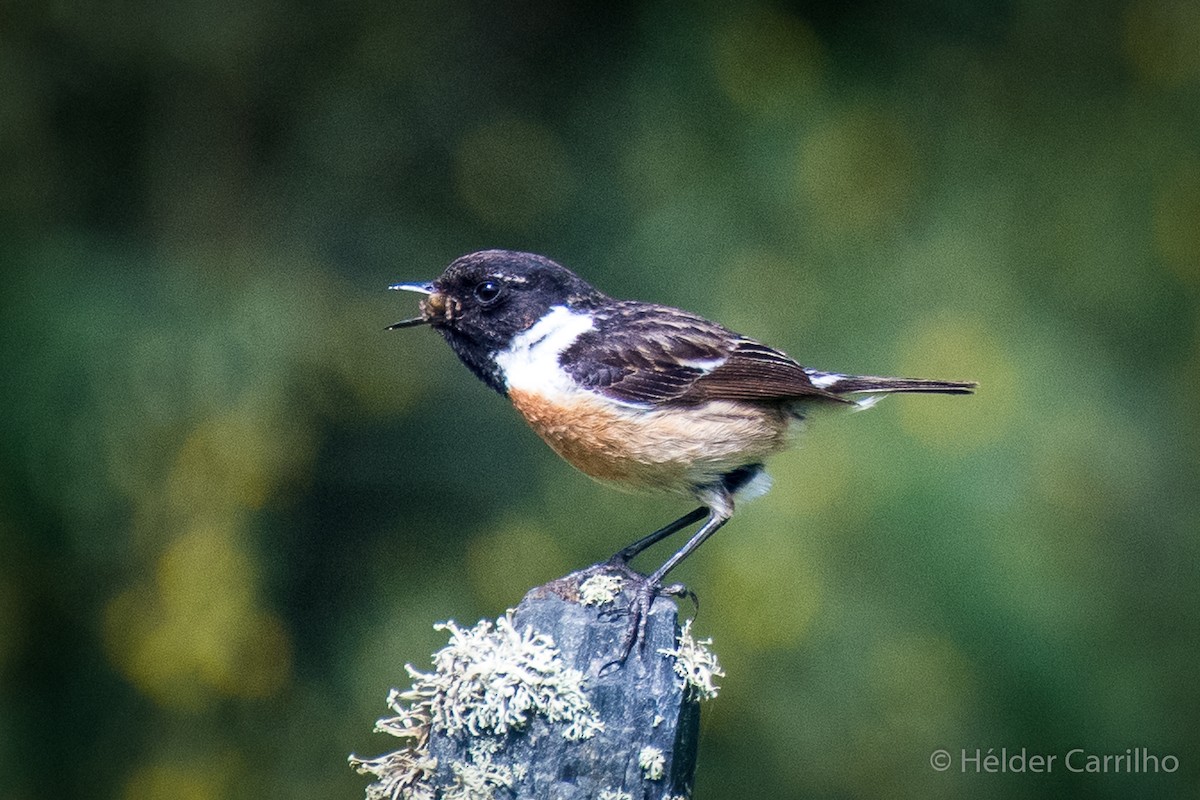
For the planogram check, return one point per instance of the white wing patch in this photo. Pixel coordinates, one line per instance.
(530, 362)
(705, 365)
(823, 380)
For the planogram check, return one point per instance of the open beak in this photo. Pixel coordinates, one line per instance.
(426, 305)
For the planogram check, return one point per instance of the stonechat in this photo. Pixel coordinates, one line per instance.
(637, 395)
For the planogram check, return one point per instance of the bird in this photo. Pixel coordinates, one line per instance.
(637, 395)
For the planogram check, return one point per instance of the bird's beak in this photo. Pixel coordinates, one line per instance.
(433, 306)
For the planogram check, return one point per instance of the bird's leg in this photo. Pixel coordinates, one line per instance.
(716, 518)
(643, 598)
(627, 554)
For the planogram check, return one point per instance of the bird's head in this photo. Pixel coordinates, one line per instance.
(484, 299)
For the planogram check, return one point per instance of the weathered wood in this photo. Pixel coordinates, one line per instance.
(570, 721)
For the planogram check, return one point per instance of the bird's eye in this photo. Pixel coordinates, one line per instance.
(487, 292)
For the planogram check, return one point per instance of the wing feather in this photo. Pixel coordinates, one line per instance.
(646, 354)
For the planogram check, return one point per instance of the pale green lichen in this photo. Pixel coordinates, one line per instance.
(652, 762)
(614, 794)
(404, 773)
(696, 663)
(489, 680)
(477, 780)
(600, 590)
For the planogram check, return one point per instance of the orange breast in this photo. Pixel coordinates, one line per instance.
(671, 450)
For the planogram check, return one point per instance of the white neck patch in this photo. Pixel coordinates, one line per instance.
(530, 362)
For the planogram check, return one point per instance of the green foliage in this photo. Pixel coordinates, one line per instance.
(231, 505)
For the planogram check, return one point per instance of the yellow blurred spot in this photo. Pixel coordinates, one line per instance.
(954, 347)
(767, 587)
(204, 574)
(858, 172)
(512, 173)
(1177, 222)
(816, 480)
(198, 781)
(196, 632)
(504, 564)
(231, 462)
(1162, 40)
(767, 60)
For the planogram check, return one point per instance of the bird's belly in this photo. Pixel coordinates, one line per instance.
(677, 449)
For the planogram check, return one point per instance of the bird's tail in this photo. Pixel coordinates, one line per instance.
(849, 384)
(877, 386)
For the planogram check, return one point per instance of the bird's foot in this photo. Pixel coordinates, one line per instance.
(640, 596)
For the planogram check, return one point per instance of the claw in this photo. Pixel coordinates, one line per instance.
(679, 590)
(641, 600)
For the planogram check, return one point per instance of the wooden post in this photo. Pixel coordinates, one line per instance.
(539, 704)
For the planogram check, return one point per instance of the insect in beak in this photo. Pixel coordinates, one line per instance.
(434, 305)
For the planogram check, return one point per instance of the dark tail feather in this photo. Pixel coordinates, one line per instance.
(849, 384)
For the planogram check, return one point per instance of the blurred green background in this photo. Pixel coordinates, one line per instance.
(231, 505)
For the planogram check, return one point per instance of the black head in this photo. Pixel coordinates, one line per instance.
(484, 299)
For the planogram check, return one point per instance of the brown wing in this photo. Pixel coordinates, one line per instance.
(650, 355)
(754, 371)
